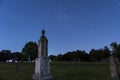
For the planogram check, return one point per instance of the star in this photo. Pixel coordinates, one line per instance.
(102, 11)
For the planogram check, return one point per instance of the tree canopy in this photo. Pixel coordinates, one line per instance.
(115, 50)
(30, 50)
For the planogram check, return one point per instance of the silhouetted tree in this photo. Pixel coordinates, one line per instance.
(106, 52)
(19, 56)
(59, 57)
(30, 50)
(100, 54)
(76, 56)
(53, 57)
(115, 49)
(81, 55)
(69, 56)
(5, 55)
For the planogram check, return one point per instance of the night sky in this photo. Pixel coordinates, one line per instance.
(69, 24)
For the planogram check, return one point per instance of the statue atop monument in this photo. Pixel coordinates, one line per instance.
(43, 45)
(43, 32)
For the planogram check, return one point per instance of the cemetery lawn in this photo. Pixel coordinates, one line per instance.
(59, 70)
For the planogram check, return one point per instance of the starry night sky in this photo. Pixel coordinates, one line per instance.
(69, 24)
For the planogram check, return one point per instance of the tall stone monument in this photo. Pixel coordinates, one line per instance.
(42, 64)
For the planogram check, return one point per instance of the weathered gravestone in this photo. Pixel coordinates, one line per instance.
(42, 64)
(113, 68)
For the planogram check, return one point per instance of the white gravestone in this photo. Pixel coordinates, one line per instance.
(113, 68)
(42, 64)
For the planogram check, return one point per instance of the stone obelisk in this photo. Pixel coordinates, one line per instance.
(42, 64)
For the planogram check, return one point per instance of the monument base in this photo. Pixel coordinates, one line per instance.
(42, 69)
(37, 76)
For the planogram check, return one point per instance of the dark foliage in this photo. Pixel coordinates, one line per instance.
(82, 56)
(5, 55)
(30, 50)
(115, 50)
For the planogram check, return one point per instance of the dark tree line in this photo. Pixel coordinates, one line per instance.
(30, 51)
(6, 55)
(71, 56)
(78, 55)
(94, 54)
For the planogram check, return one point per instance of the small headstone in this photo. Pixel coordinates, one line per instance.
(113, 68)
(42, 64)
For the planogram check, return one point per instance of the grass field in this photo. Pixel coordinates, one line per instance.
(60, 71)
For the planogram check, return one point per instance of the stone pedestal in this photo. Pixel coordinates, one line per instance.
(42, 69)
(113, 68)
